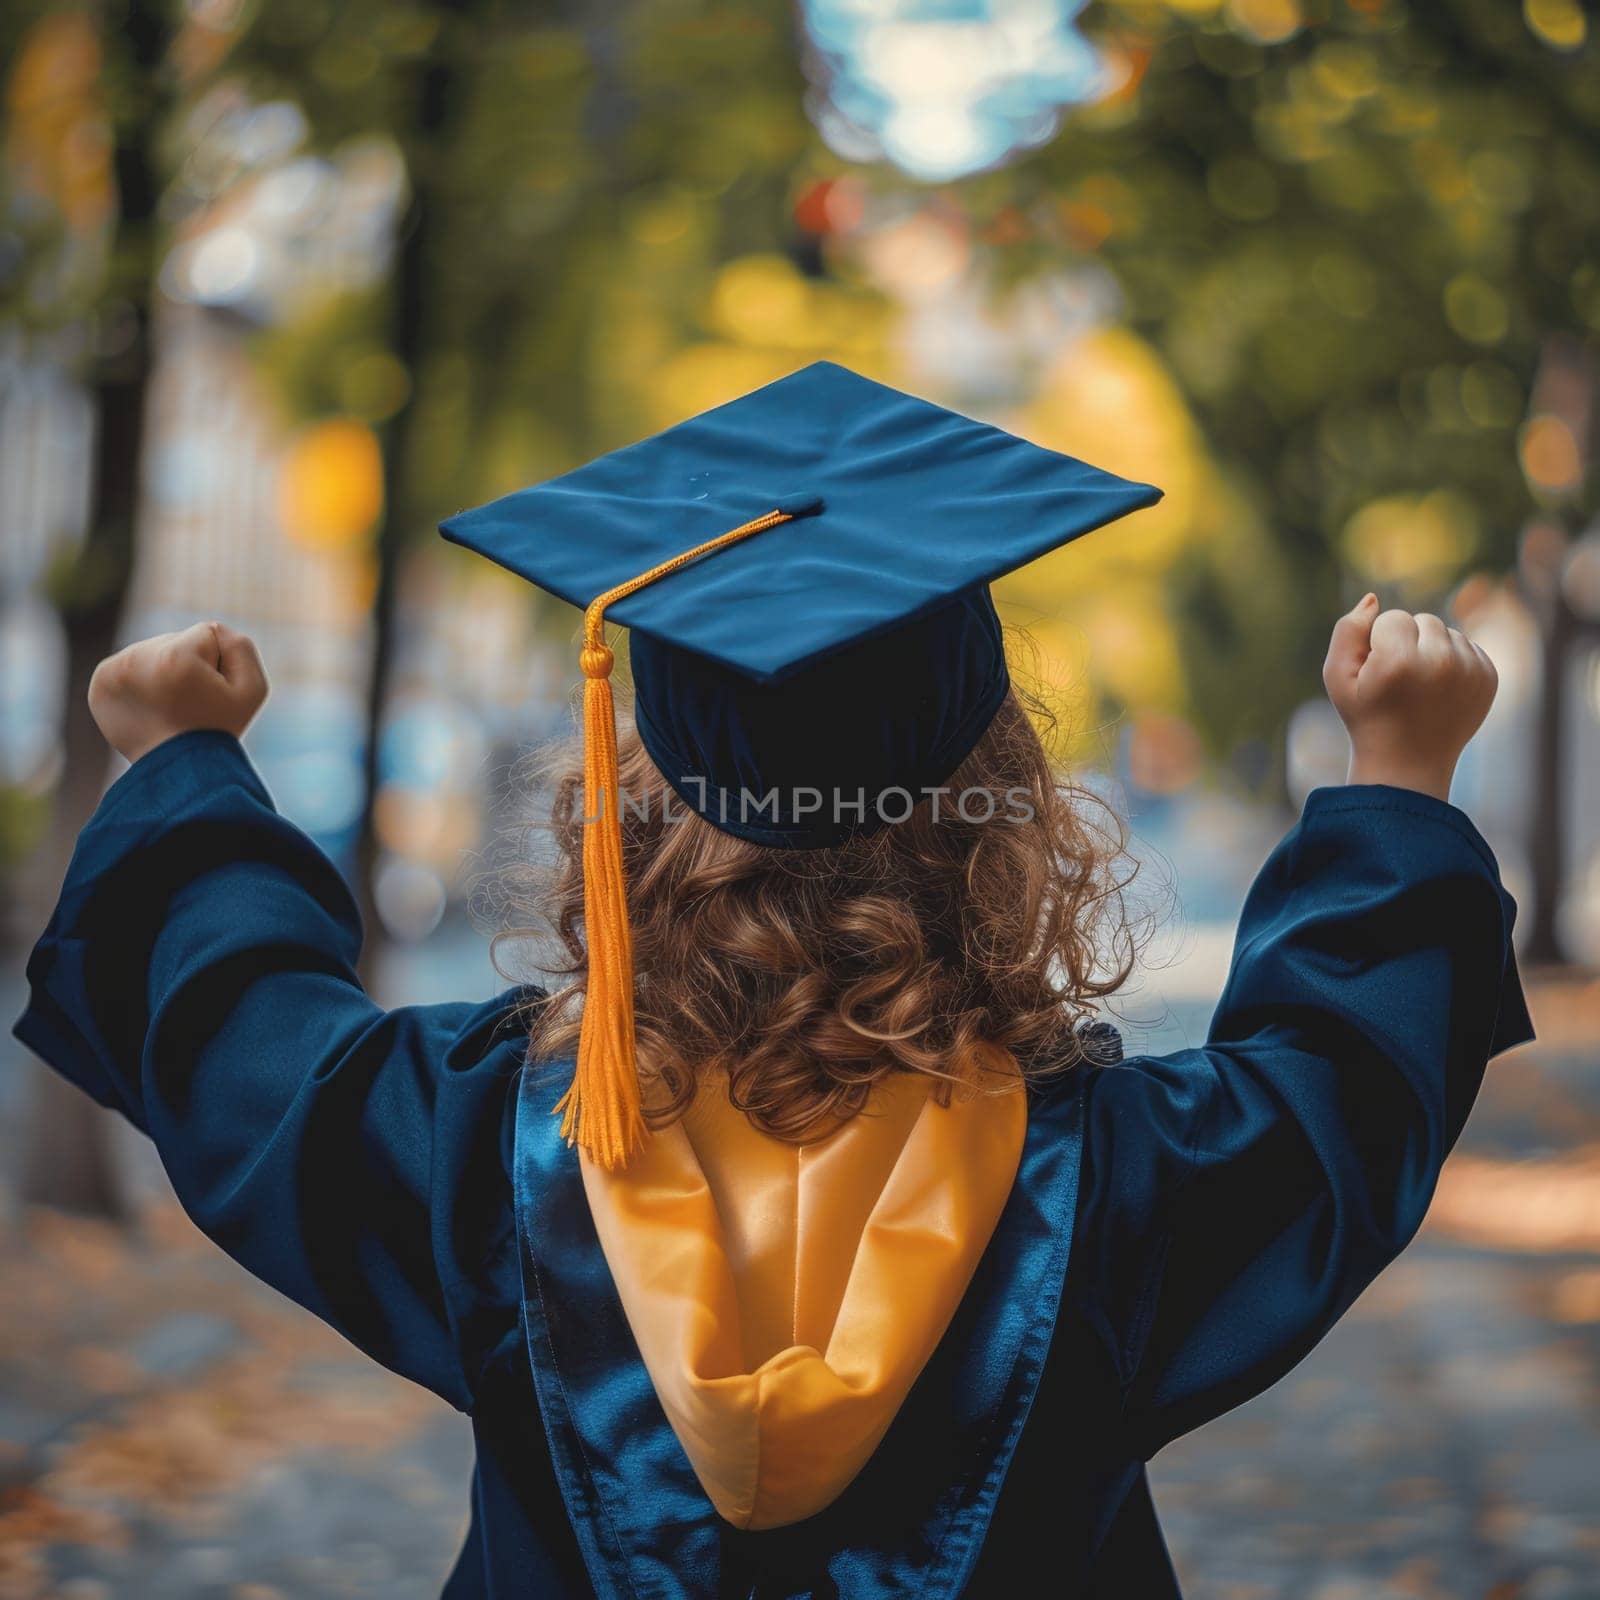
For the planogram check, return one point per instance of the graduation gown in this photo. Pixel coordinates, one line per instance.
(1181, 1230)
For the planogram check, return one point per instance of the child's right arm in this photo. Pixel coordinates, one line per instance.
(1238, 1197)
(199, 975)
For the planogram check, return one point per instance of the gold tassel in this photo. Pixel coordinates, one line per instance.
(601, 1111)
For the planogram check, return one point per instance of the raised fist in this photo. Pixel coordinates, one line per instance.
(1411, 692)
(208, 676)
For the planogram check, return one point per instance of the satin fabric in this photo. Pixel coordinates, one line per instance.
(785, 1298)
(903, 711)
(916, 1514)
(1207, 1215)
(785, 682)
(918, 504)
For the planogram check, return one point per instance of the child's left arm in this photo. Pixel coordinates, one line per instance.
(1238, 1197)
(199, 976)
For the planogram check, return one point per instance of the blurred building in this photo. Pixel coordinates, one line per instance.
(212, 544)
(46, 435)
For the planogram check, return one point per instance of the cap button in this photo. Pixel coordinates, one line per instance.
(596, 660)
(801, 505)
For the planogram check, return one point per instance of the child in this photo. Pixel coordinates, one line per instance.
(873, 1271)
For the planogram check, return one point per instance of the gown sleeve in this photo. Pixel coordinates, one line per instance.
(198, 975)
(1237, 1198)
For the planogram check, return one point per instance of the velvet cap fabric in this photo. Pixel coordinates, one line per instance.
(783, 680)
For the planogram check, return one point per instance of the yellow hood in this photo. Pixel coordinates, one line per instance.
(785, 1297)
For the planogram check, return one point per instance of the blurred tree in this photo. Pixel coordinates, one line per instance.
(578, 182)
(1556, 449)
(89, 99)
(403, 73)
(1348, 227)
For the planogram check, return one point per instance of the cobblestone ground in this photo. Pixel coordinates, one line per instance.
(167, 1428)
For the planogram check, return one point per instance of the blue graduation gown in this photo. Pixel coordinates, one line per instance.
(1183, 1229)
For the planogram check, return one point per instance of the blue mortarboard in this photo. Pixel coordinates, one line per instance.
(805, 573)
(852, 647)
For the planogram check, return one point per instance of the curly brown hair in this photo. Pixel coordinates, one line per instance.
(960, 949)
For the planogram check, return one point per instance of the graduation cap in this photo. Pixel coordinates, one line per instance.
(805, 572)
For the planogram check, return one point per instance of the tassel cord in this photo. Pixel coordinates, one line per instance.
(602, 1111)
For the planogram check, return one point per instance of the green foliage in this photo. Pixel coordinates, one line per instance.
(539, 151)
(1350, 247)
(333, 358)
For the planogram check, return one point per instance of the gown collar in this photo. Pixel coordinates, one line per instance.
(916, 1515)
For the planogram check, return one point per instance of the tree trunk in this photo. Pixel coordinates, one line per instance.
(434, 97)
(1547, 844)
(1564, 388)
(68, 1158)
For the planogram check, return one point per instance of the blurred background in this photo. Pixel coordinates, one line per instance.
(283, 284)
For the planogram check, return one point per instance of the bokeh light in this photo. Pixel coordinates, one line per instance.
(941, 90)
(330, 492)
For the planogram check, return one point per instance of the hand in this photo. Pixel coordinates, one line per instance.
(1411, 693)
(208, 676)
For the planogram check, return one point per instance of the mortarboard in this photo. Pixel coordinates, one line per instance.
(805, 572)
